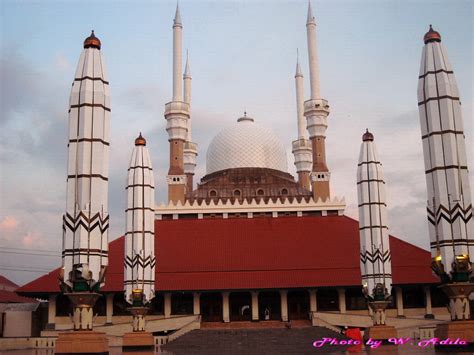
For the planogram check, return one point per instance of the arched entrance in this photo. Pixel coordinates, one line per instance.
(211, 306)
(240, 306)
(298, 304)
(269, 305)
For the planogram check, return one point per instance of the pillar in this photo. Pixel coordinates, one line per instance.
(110, 308)
(399, 299)
(342, 299)
(284, 305)
(197, 303)
(225, 307)
(428, 309)
(51, 312)
(313, 302)
(254, 305)
(167, 308)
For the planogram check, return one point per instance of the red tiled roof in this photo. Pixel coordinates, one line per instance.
(6, 282)
(286, 252)
(8, 296)
(12, 297)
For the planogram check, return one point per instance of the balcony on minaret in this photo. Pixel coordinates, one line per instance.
(319, 106)
(190, 154)
(302, 149)
(177, 115)
(316, 112)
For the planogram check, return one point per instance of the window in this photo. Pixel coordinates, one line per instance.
(284, 192)
(237, 192)
(260, 192)
(213, 193)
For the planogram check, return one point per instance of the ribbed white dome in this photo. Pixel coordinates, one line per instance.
(246, 145)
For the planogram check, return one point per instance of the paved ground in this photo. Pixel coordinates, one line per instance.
(252, 341)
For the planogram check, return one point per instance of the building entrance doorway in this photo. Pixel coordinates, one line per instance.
(240, 306)
(211, 307)
(269, 305)
(298, 304)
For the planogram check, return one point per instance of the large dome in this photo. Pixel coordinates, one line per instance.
(246, 145)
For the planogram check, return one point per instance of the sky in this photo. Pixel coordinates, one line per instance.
(242, 57)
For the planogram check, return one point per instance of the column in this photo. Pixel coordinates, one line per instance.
(110, 308)
(254, 305)
(428, 309)
(284, 305)
(342, 299)
(167, 310)
(51, 312)
(225, 307)
(399, 298)
(313, 302)
(197, 303)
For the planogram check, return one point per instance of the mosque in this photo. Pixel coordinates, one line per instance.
(249, 241)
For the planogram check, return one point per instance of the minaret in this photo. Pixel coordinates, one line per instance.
(86, 221)
(190, 148)
(177, 116)
(375, 257)
(301, 146)
(316, 111)
(447, 178)
(139, 275)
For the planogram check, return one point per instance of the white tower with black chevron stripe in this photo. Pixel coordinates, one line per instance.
(140, 224)
(375, 257)
(86, 222)
(139, 275)
(449, 197)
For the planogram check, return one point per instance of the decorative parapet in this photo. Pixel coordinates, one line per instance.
(335, 205)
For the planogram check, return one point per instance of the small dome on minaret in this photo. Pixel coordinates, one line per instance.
(367, 136)
(140, 140)
(432, 36)
(92, 41)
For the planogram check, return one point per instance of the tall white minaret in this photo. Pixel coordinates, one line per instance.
(375, 257)
(301, 146)
(316, 111)
(447, 178)
(86, 221)
(190, 148)
(139, 275)
(177, 56)
(177, 116)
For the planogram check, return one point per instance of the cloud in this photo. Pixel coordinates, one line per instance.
(31, 240)
(9, 223)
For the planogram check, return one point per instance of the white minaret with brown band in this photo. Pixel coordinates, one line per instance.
(190, 148)
(447, 178)
(140, 224)
(177, 116)
(316, 111)
(301, 146)
(375, 256)
(86, 221)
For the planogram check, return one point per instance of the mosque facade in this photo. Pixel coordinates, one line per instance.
(248, 242)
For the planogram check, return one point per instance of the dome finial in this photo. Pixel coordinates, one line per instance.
(431, 36)
(367, 136)
(92, 41)
(140, 140)
(245, 118)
